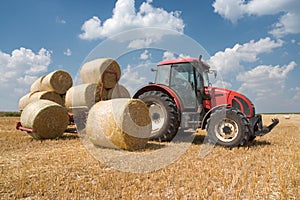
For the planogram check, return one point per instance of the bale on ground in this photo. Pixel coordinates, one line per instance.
(51, 96)
(119, 91)
(119, 123)
(84, 95)
(47, 119)
(99, 71)
(36, 86)
(58, 81)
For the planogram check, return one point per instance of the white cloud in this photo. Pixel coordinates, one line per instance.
(20, 68)
(140, 43)
(145, 55)
(231, 59)
(167, 55)
(60, 21)
(296, 92)
(229, 9)
(265, 81)
(125, 17)
(288, 23)
(23, 62)
(131, 79)
(68, 52)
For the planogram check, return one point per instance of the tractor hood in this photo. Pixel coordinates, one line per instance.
(219, 96)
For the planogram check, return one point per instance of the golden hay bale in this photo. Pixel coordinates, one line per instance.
(36, 86)
(58, 81)
(119, 91)
(47, 119)
(119, 123)
(51, 96)
(84, 95)
(98, 69)
(24, 101)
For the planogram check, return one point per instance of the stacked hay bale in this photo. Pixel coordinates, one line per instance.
(100, 82)
(43, 108)
(111, 118)
(50, 87)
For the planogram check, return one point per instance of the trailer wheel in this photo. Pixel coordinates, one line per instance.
(164, 115)
(228, 127)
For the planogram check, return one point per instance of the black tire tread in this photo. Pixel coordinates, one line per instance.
(245, 127)
(171, 107)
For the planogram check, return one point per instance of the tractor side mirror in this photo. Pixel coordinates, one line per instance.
(153, 70)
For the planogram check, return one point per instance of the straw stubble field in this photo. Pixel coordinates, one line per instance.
(63, 169)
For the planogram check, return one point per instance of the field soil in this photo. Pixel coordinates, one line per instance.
(63, 168)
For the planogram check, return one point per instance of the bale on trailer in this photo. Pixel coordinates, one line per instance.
(119, 91)
(102, 70)
(24, 101)
(36, 86)
(119, 123)
(47, 119)
(58, 81)
(84, 95)
(51, 96)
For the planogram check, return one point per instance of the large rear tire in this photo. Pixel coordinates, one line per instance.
(228, 127)
(164, 115)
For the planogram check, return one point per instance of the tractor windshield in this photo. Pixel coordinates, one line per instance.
(183, 82)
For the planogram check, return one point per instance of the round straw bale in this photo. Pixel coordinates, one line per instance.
(24, 101)
(58, 81)
(47, 119)
(36, 86)
(102, 70)
(119, 123)
(82, 95)
(119, 91)
(51, 96)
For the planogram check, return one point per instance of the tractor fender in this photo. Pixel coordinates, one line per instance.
(162, 88)
(206, 116)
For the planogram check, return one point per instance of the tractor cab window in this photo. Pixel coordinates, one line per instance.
(183, 83)
(163, 75)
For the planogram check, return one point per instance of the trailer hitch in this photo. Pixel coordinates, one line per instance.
(267, 129)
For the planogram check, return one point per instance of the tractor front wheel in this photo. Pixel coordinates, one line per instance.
(228, 127)
(164, 115)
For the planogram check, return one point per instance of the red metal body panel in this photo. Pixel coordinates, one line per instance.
(220, 96)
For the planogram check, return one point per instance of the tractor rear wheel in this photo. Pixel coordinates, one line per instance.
(164, 115)
(228, 127)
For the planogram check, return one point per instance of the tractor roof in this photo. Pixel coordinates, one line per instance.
(181, 60)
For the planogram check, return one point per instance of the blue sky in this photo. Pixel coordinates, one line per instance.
(255, 46)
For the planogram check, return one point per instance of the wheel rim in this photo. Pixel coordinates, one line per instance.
(227, 130)
(158, 116)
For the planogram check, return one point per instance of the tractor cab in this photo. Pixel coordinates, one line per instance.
(187, 77)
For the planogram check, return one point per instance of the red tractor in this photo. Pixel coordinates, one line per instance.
(182, 97)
